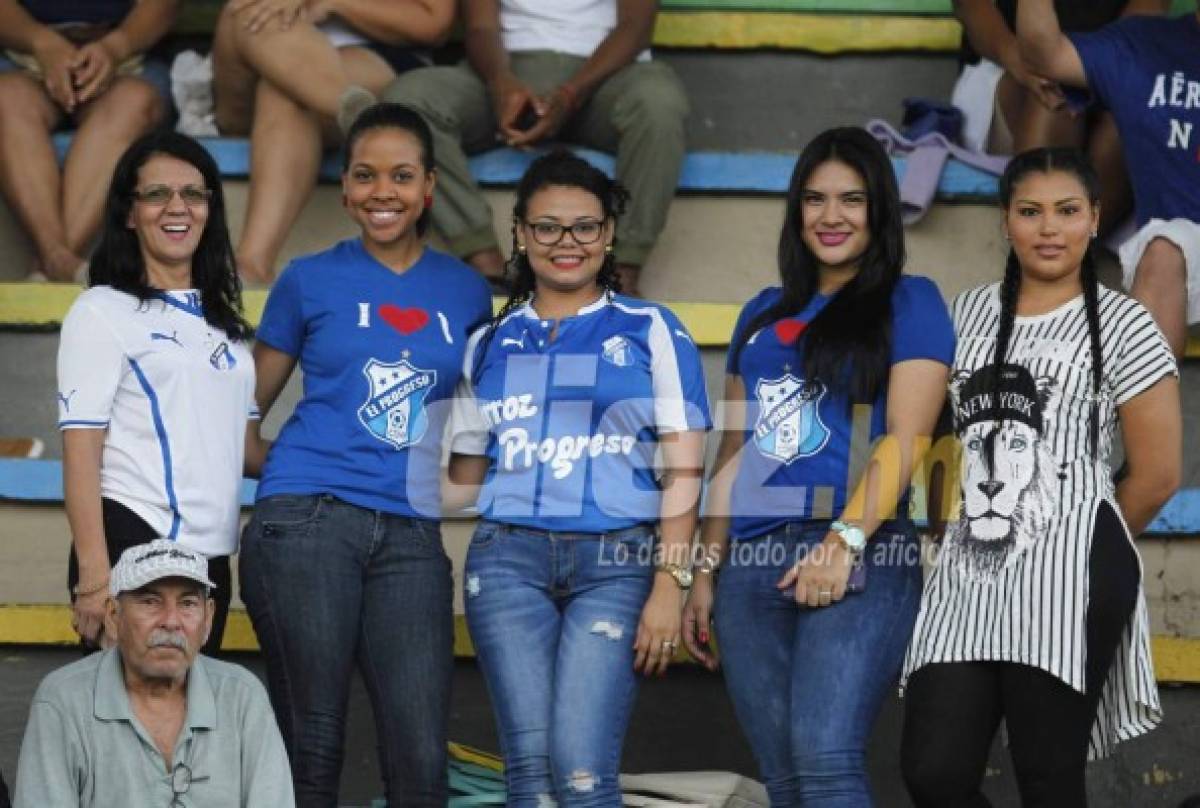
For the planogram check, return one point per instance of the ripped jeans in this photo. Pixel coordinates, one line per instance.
(553, 617)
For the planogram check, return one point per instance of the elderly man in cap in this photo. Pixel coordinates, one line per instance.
(151, 723)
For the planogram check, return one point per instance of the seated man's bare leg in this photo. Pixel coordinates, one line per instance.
(124, 112)
(299, 61)
(285, 152)
(29, 175)
(1160, 284)
(285, 155)
(235, 82)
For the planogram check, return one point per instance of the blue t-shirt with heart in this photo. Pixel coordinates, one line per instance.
(1146, 70)
(381, 354)
(800, 437)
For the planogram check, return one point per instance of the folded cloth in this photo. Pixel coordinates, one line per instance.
(693, 790)
(925, 115)
(191, 86)
(975, 95)
(925, 158)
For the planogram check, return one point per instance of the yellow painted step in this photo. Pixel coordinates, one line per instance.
(1176, 659)
(43, 305)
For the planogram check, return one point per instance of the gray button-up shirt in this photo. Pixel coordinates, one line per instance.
(84, 747)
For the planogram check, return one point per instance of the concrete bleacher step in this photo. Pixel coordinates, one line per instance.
(36, 540)
(721, 235)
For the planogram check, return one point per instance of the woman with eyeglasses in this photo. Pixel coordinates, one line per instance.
(574, 577)
(155, 379)
(342, 563)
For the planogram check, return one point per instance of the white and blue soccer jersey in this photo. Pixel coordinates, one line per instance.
(571, 424)
(381, 354)
(174, 395)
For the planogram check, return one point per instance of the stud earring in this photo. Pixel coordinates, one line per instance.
(521, 249)
(608, 249)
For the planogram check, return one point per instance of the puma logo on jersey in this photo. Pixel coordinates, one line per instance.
(66, 400)
(679, 332)
(520, 343)
(156, 336)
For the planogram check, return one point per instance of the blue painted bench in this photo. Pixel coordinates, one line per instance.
(703, 172)
(40, 481)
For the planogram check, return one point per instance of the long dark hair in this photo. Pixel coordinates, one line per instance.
(393, 116)
(118, 262)
(848, 345)
(1045, 160)
(559, 168)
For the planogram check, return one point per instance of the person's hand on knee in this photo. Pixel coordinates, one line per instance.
(54, 54)
(92, 70)
(255, 15)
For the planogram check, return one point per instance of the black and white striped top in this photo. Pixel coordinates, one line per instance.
(1011, 580)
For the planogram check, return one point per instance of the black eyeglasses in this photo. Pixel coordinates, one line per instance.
(157, 195)
(548, 234)
(181, 780)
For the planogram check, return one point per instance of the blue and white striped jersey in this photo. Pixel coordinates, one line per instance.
(570, 412)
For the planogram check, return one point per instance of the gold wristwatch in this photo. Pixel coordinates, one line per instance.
(681, 574)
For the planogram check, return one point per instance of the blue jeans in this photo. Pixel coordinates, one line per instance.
(554, 617)
(329, 586)
(807, 684)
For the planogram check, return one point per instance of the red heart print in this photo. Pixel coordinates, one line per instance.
(406, 321)
(789, 331)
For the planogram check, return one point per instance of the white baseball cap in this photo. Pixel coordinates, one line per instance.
(159, 559)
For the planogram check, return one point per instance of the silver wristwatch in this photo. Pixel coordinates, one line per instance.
(853, 538)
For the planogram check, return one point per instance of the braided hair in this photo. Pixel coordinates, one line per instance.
(558, 168)
(1046, 160)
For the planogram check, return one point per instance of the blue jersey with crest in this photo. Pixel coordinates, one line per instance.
(381, 355)
(799, 434)
(571, 424)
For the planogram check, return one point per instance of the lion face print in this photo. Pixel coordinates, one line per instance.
(1006, 473)
(990, 495)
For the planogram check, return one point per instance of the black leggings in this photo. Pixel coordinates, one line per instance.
(952, 710)
(124, 529)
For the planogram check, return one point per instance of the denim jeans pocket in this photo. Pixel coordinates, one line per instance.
(635, 548)
(485, 534)
(426, 536)
(283, 514)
